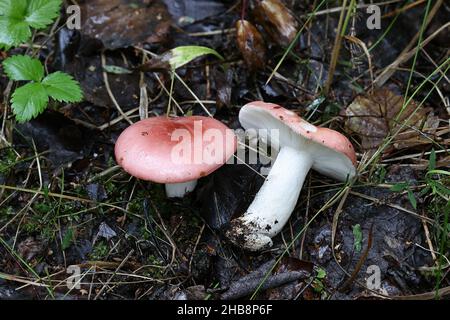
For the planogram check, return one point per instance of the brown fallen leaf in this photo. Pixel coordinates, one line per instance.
(120, 23)
(373, 116)
(251, 44)
(29, 248)
(277, 20)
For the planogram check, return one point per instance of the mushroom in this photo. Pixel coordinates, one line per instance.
(175, 151)
(301, 146)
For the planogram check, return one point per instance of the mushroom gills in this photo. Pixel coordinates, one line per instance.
(274, 202)
(178, 190)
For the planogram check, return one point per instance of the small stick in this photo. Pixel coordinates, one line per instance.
(110, 93)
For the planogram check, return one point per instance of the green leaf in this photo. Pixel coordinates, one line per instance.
(442, 189)
(432, 161)
(13, 8)
(116, 70)
(357, 236)
(17, 16)
(412, 199)
(431, 172)
(399, 187)
(67, 239)
(13, 29)
(185, 54)
(424, 191)
(321, 273)
(13, 32)
(62, 87)
(22, 68)
(28, 101)
(41, 13)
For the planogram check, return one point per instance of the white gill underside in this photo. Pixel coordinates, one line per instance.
(178, 190)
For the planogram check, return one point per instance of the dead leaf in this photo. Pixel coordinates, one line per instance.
(372, 117)
(105, 231)
(277, 20)
(251, 44)
(119, 23)
(29, 248)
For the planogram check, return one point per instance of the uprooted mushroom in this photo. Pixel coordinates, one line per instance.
(301, 146)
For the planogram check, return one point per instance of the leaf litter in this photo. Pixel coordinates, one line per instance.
(139, 218)
(378, 115)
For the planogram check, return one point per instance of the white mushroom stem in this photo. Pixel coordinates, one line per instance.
(274, 202)
(178, 190)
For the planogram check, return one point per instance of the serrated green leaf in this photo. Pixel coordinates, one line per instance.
(17, 16)
(185, 54)
(5, 39)
(13, 28)
(23, 68)
(13, 32)
(62, 87)
(28, 101)
(13, 8)
(412, 199)
(41, 13)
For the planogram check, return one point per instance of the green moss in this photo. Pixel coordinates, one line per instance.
(7, 159)
(99, 251)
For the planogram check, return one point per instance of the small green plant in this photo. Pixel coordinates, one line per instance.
(17, 18)
(99, 251)
(67, 239)
(7, 159)
(405, 186)
(317, 283)
(357, 236)
(434, 183)
(436, 190)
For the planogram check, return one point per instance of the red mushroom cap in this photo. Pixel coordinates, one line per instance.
(327, 137)
(150, 149)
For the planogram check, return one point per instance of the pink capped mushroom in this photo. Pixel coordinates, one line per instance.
(302, 146)
(175, 151)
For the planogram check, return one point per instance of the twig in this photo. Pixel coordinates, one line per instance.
(110, 93)
(114, 274)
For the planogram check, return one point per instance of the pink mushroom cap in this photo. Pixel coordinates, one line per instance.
(149, 149)
(325, 136)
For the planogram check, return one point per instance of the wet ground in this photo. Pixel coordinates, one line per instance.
(64, 201)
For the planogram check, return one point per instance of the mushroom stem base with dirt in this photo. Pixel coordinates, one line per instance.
(178, 190)
(274, 202)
